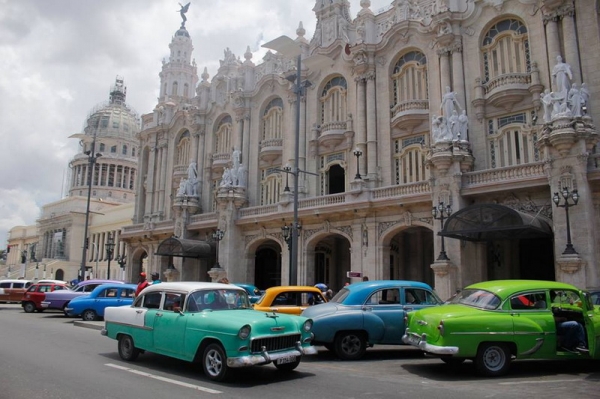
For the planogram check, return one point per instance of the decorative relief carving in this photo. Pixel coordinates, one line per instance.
(347, 230)
(309, 233)
(384, 226)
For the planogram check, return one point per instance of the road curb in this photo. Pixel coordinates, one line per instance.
(89, 324)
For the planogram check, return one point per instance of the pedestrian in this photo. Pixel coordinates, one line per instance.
(142, 283)
(223, 280)
(365, 278)
(155, 277)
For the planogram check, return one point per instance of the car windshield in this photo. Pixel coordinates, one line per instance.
(218, 300)
(341, 295)
(477, 298)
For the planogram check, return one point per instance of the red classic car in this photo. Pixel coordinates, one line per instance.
(36, 293)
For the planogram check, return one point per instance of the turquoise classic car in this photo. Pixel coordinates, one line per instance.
(210, 323)
(494, 322)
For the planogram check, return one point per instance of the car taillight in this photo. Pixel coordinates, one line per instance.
(441, 327)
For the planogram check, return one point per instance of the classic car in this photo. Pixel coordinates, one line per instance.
(493, 322)
(595, 296)
(91, 307)
(12, 290)
(364, 314)
(59, 299)
(254, 293)
(290, 299)
(36, 293)
(210, 323)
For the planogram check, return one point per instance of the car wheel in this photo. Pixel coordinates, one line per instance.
(29, 307)
(89, 315)
(127, 349)
(453, 361)
(493, 359)
(350, 345)
(288, 366)
(214, 363)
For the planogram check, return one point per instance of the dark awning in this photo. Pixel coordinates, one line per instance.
(488, 222)
(186, 248)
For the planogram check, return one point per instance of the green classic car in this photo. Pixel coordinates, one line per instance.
(494, 322)
(210, 323)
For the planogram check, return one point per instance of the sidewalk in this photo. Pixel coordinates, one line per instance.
(96, 325)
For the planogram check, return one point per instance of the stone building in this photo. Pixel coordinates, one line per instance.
(431, 142)
(53, 248)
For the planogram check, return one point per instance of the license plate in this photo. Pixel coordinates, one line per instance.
(286, 359)
(414, 339)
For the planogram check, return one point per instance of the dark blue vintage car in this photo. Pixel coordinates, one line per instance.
(368, 313)
(91, 307)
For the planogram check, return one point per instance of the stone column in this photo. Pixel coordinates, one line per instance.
(246, 141)
(361, 123)
(445, 69)
(458, 75)
(552, 42)
(240, 133)
(372, 174)
(571, 49)
(163, 177)
(150, 181)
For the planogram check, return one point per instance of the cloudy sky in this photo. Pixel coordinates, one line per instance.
(59, 58)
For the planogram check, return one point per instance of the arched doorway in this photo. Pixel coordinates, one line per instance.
(267, 266)
(336, 179)
(332, 261)
(519, 245)
(411, 255)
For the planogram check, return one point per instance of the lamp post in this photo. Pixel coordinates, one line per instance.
(110, 247)
(440, 213)
(122, 261)
(286, 230)
(92, 157)
(357, 153)
(218, 236)
(287, 169)
(574, 196)
(96, 251)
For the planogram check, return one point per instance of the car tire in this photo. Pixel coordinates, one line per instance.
(29, 307)
(214, 363)
(127, 349)
(288, 366)
(350, 345)
(89, 315)
(493, 359)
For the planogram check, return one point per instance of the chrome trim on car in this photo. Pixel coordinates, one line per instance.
(277, 328)
(535, 348)
(421, 322)
(266, 357)
(421, 343)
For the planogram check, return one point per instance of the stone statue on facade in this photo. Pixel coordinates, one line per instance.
(449, 102)
(562, 76)
(182, 187)
(575, 101)
(182, 11)
(453, 125)
(463, 125)
(226, 179)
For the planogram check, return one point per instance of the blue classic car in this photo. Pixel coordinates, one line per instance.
(367, 313)
(212, 324)
(91, 307)
(254, 293)
(60, 299)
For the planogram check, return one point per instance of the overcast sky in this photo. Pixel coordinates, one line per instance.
(59, 59)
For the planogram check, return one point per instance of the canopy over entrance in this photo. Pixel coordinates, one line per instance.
(489, 222)
(184, 248)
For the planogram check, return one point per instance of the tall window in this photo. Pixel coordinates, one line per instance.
(124, 150)
(333, 104)
(270, 186)
(174, 89)
(223, 136)
(183, 149)
(409, 79)
(272, 120)
(510, 142)
(409, 160)
(505, 50)
(186, 90)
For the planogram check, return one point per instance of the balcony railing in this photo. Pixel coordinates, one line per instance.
(507, 79)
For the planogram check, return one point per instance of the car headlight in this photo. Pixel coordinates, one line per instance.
(307, 326)
(244, 332)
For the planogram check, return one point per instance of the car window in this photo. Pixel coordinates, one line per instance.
(385, 297)
(529, 301)
(5, 285)
(419, 296)
(108, 293)
(173, 301)
(340, 296)
(45, 288)
(565, 297)
(60, 287)
(477, 298)
(127, 293)
(150, 300)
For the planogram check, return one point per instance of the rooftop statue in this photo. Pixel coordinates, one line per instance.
(182, 12)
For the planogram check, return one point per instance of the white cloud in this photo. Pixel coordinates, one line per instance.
(60, 58)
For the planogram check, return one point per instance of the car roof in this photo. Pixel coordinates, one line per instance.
(113, 285)
(99, 280)
(187, 286)
(293, 288)
(383, 283)
(507, 287)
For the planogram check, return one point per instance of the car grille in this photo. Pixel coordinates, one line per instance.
(273, 344)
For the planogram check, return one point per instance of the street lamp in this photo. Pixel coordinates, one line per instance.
(287, 169)
(444, 212)
(291, 49)
(357, 153)
(218, 236)
(286, 231)
(110, 247)
(92, 157)
(573, 195)
(96, 251)
(121, 260)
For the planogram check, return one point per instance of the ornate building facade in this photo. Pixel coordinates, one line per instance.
(430, 147)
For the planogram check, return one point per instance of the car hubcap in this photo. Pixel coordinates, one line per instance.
(214, 363)
(351, 344)
(493, 358)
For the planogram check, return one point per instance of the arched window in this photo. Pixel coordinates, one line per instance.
(333, 174)
(272, 120)
(333, 104)
(409, 160)
(133, 152)
(113, 149)
(270, 186)
(183, 149)
(174, 89)
(511, 142)
(186, 90)
(505, 50)
(102, 147)
(223, 136)
(409, 79)
(124, 150)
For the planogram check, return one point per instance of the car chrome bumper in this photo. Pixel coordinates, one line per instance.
(420, 341)
(45, 305)
(266, 357)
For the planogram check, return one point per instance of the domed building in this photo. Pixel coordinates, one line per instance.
(102, 181)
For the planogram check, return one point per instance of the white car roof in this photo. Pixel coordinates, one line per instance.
(188, 286)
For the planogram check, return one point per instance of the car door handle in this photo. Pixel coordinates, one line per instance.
(158, 314)
(139, 311)
(274, 309)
